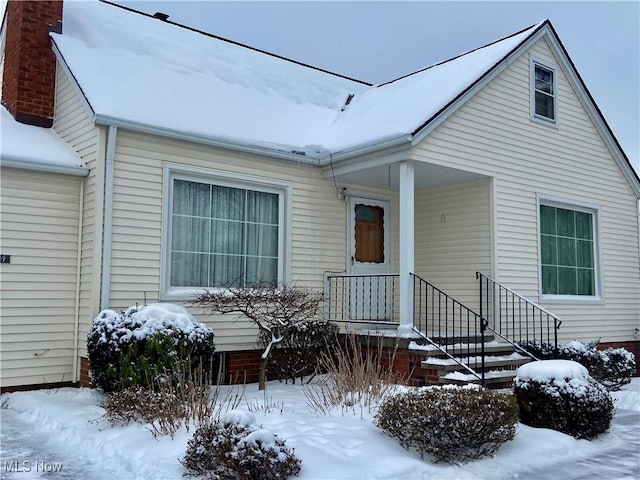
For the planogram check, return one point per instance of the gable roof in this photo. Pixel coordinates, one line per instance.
(139, 69)
(156, 76)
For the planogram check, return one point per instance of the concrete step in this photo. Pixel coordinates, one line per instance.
(495, 377)
(491, 362)
(493, 348)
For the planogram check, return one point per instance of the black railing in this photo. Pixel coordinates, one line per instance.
(514, 317)
(447, 323)
(362, 298)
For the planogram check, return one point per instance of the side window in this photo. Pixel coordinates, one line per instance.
(544, 101)
(568, 251)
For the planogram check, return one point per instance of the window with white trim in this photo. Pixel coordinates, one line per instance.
(222, 232)
(568, 251)
(543, 92)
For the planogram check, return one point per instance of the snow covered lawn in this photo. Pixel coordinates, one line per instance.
(63, 427)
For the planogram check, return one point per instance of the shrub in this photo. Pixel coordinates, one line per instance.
(133, 347)
(269, 306)
(449, 422)
(177, 398)
(356, 376)
(613, 367)
(298, 353)
(560, 394)
(235, 448)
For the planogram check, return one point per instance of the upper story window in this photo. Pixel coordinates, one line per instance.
(544, 99)
(569, 251)
(222, 232)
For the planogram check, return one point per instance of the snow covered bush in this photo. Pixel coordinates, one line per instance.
(134, 347)
(613, 367)
(298, 353)
(451, 423)
(236, 448)
(560, 394)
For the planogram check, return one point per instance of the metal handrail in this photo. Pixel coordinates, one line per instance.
(515, 316)
(446, 321)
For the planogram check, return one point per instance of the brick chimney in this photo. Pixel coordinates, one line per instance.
(28, 80)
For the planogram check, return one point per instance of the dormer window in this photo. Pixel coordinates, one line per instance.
(543, 93)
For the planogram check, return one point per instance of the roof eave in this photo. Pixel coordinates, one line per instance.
(275, 151)
(34, 166)
(366, 148)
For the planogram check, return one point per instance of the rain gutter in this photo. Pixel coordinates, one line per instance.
(366, 148)
(76, 319)
(108, 219)
(15, 162)
(274, 152)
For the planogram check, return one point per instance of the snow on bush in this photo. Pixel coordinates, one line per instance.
(561, 395)
(133, 347)
(236, 448)
(451, 423)
(613, 367)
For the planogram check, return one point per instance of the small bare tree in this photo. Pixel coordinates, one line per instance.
(268, 306)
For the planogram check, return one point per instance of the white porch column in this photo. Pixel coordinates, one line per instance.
(406, 245)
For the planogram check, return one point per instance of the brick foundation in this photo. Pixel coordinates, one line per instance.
(85, 377)
(242, 367)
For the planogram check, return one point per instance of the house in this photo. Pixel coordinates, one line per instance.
(483, 191)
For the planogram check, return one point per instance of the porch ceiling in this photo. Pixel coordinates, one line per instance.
(426, 175)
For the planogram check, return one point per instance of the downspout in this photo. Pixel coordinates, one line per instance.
(76, 320)
(105, 292)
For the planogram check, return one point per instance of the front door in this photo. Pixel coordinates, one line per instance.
(370, 291)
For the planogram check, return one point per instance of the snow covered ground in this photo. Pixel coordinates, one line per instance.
(58, 434)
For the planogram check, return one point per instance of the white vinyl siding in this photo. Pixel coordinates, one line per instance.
(317, 240)
(453, 237)
(73, 123)
(39, 217)
(493, 135)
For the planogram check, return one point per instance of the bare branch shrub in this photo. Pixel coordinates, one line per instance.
(269, 306)
(356, 377)
(177, 398)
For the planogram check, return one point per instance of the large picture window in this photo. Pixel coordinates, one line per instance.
(223, 233)
(568, 251)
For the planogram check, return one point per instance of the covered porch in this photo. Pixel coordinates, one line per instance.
(420, 258)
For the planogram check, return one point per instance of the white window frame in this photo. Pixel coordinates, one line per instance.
(534, 62)
(202, 175)
(595, 211)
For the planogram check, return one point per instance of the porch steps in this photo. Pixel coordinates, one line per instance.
(501, 364)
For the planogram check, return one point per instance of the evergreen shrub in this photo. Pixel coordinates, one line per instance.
(134, 347)
(560, 395)
(613, 367)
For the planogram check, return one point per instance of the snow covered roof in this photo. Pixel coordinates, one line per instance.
(36, 148)
(138, 69)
